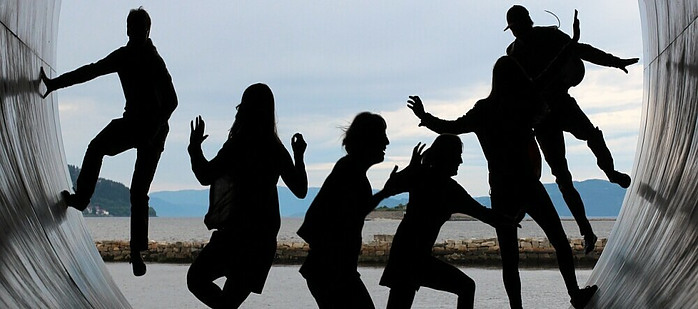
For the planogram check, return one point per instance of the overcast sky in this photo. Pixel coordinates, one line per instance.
(326, 61)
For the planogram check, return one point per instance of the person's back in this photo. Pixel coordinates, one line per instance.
(145, 82)
(244, 206)
(537, 48)
(505, 140)
(335, 218)
(430, 206)
(253, 168)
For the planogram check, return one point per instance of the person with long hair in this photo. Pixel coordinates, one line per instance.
(503, 123)
(332, 226)
(246, 170)
(434, 197)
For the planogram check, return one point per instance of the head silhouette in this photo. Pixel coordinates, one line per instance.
(513, 93)
(518, 20)
(255, 114)
(444, 155)
(366, 138)
(508, 78)
(138, 25)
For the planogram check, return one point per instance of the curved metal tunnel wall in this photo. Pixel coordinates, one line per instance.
(651, 259)
(47, 257)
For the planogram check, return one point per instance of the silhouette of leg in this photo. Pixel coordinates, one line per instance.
(340, 292)
(234, 293)
(208, 266)
(552, 144)
(147, 158)
(504, 201)
(604, 160)
(143, 173)
(115, 138)
(509, 252)
(573, 120)
(400, 298)
(321, 292)
(356, 294)
(543, 212)
(442, 276)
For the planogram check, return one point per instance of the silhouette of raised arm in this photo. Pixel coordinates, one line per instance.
(464, 124)
(294, 175)
(196, 138)
(597, 56)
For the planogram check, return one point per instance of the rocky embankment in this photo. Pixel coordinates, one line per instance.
(533, 252)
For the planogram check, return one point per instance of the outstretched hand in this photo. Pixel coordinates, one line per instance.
(47, 82)
(415, 104)
(622, 63)
(298, 144)
(392, 185)
(575, 28)
(196, 136)
(417, 155)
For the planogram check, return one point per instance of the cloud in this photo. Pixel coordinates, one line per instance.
(327, 61)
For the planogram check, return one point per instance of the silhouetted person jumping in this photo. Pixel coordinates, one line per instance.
(535, 48)
(150, 100)
(332, 226)
(503, 124)
(434, 197)
(244, 201)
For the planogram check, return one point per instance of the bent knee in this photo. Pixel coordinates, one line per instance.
(194, 280)
(467, 288)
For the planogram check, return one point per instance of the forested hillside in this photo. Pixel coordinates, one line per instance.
(111, 198)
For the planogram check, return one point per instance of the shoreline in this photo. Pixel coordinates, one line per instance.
(533, 252)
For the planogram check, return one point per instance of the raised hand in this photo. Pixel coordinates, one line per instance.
(393, 184)
(415, 104)
(622, 63)
(417, 155)
(575, 28)
(196, 136)
(298, 144)
(47, 82)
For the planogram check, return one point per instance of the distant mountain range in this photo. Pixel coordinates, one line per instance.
(601, 198)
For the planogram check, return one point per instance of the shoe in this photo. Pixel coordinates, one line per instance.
(589, 243)
(619, 178)
(581, 297)
(73, 200)
(137, 264)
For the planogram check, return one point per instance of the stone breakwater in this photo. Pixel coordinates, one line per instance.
(533, 252)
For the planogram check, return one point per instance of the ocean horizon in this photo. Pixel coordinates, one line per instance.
(164, 285)
(193, 229)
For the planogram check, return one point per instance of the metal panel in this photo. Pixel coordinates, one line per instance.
(47, 257)
(651, 259)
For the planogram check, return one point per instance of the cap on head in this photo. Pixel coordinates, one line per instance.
(517, 15)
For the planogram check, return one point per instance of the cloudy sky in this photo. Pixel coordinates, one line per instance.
(326, 61)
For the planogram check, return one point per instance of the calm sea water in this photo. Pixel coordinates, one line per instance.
(164, 286)
(193, 229)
